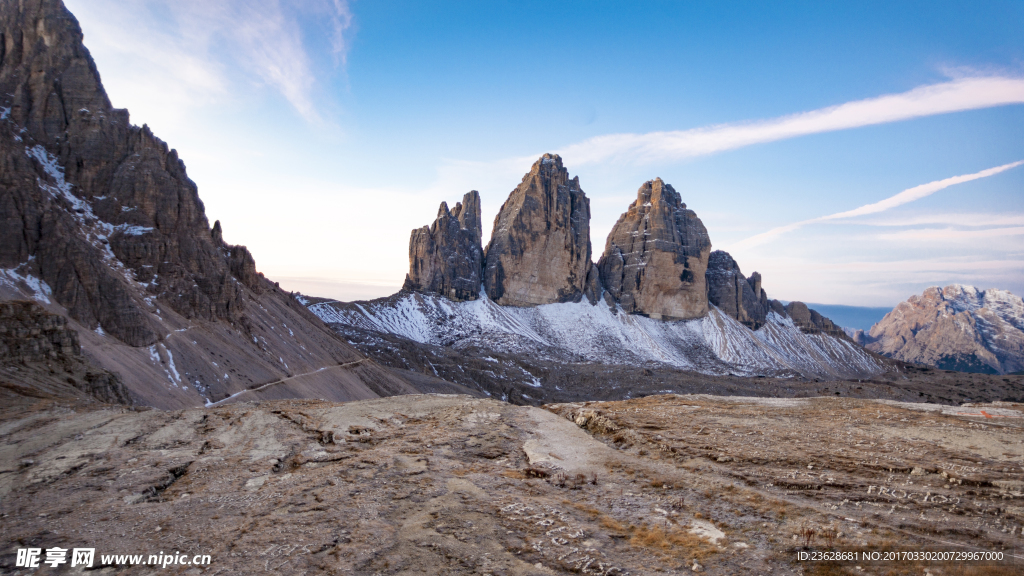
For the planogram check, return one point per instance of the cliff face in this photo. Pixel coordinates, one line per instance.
(733, 293)
(955, 328)
(38, 348)
(446, 258)
(656, 256)
(96, 199)
(101, 224)
(540, 251)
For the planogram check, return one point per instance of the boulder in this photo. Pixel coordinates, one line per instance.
(738, 296)
(540, 250)
(656, 256)
(446, 258)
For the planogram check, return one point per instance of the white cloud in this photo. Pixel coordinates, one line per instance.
(904, 197)
(960, 94)
(966, 219)
(164, 58)
(883, 282)
(952, 234)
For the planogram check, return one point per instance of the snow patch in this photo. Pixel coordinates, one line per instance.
(580, 332)
(39, 289)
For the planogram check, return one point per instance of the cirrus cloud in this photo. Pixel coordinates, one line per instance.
(967, 93)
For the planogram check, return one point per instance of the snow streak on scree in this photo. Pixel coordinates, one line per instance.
(715, 344)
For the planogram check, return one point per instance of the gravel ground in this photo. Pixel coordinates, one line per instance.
(445, 484)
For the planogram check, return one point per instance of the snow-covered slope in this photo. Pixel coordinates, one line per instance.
(715, 344)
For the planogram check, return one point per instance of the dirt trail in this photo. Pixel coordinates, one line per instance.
(236, 395)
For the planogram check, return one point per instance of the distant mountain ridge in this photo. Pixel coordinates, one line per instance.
(852, 317)
(954, 328)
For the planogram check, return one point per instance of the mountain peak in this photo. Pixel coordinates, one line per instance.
(656, 256)
(540, 250)
(957, 327)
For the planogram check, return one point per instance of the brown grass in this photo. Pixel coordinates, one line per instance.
(590, 510)
(671, 543)
(609, 523)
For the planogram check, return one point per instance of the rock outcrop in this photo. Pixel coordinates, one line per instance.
(540, 250)
(810, 321)
(446, 258)
(955, 328)
(38, 346)
(656, 256)
(733, 293)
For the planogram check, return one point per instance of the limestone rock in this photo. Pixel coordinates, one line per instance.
(81, 189)
(446, 258)
(656, 256)
(738, 296)
(100, 223)
(46, 352)
(811, 322)
(955, 328)
(540, 250)
(592, 290)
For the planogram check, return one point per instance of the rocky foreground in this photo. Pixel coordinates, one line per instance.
(457, 485)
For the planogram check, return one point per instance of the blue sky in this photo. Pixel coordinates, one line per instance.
(321, 132)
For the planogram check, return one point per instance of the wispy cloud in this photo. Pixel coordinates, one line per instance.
(961, 219)
(952, 234)
(904, 197)
(882, 282)
(960, 94)
(167, 57)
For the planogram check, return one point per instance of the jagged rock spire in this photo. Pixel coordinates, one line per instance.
(734, 294)
(656, 256)
(540, 250)
(446, 258)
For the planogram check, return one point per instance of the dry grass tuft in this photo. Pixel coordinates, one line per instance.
(670, 542)
(609, 523)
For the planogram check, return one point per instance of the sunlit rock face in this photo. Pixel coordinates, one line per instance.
(656, 256)
(540, 251)
(955, 328)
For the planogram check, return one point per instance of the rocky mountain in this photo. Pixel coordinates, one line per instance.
(446, 258)
(954, 328)
(810, 321)
(539, 252)
(601, 334)
(656, 256)
(735, 294)
(658, 300)
(103, 227)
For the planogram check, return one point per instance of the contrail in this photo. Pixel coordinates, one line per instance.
(968, 93)
(904, 197)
